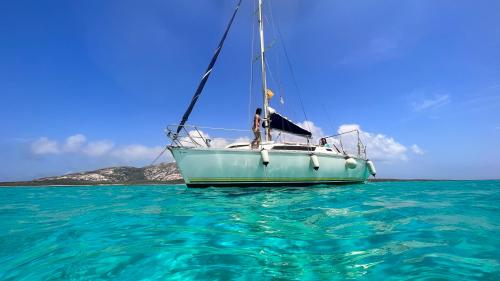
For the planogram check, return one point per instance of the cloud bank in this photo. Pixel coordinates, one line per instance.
(379, 146)
(45, 146)
(78, 144)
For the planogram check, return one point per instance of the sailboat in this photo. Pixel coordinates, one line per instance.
(267, 163)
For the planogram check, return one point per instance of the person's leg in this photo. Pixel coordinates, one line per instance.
(256, 140)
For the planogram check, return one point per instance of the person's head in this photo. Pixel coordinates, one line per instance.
(322, 141)
(258, 111)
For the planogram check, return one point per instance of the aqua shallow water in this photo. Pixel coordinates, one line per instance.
(377, 231)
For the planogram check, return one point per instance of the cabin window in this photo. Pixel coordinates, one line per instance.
(239, 145)
(291, 147)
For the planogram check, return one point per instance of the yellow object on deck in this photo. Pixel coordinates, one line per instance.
(269, 94)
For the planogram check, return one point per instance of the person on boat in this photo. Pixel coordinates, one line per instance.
(256, 128)
(323, 143)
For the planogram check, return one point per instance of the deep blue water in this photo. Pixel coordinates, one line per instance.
(376, 231)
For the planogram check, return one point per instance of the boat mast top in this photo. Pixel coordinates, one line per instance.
(263, 70)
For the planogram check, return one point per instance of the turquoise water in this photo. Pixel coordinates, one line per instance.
(376, 231)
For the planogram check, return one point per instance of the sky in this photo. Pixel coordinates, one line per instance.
(91, 84)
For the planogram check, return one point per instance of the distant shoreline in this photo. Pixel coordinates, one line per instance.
(159, 174)
(76, 183)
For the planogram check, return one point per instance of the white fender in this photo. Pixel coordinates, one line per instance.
(350, 163)
(315, 161)
(265, 156)
(371, 167)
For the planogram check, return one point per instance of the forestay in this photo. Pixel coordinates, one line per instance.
(207, 72)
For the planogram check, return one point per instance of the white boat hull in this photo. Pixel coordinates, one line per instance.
(201, 167)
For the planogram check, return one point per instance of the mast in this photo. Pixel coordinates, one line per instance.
(263, 70)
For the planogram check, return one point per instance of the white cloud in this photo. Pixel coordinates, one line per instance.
(347, 128)
(378, 146)
(417, 150)
(74, 143)
(223, 142)
(44, 145)
(218, 142)
(194, 137)
(98, 148)
(236, 136)
(384, 148)
(135, 152)
(99, 151)
(316, 132)
(431, 103)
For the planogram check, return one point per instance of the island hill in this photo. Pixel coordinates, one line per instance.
(163, 173)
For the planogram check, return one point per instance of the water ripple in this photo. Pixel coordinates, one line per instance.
(383, 231)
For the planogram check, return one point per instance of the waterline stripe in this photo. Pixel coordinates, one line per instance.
(271, 179)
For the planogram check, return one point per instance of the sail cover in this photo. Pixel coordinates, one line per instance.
(207, 73)
(281, 123)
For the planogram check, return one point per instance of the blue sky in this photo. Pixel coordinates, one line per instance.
(88, 84)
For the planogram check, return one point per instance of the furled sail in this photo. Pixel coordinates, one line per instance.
(207, 73)
(281, 123)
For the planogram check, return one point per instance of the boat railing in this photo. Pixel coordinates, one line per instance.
(202, 136)
(349, 143)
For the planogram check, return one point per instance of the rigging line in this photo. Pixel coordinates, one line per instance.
(270, 21)
(292, 72)
(328, 117)
(277, 62)
(274, 81)
(159, 155)
(331, 125)
(207, 73)
(251, 69)
(270, 73)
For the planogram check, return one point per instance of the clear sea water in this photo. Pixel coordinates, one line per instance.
(377, 231)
